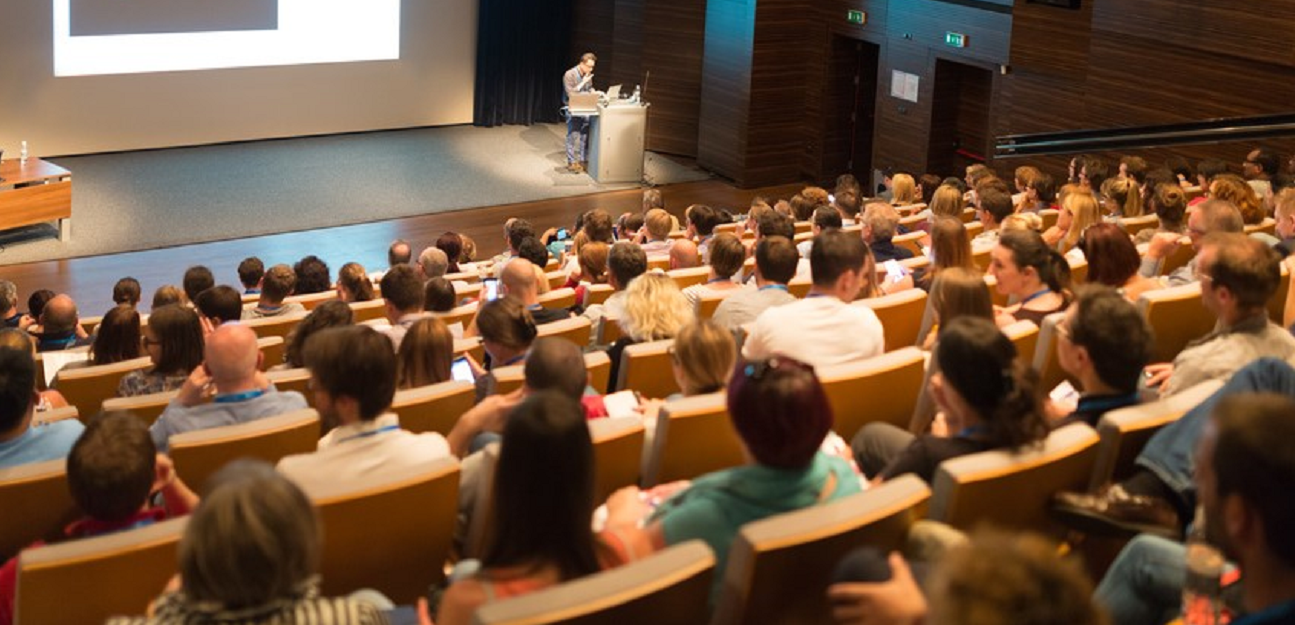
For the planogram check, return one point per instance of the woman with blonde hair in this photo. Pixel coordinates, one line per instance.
(950, 248)
(653, 309)
(1079, 210)
(702, 357)
(1232, 188)
(1122, 198)
(353, 284)
(425, 355)
(903, 189)
(959, 292)
(947, 202)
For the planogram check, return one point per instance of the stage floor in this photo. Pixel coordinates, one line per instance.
(162, 198)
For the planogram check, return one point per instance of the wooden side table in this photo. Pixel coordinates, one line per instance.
(34, 191)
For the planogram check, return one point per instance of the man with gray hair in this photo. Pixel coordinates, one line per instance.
(880, 221)
(433, 263)
(1205, 218)
(9, 302)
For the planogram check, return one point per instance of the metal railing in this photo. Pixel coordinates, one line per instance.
(1135, 137)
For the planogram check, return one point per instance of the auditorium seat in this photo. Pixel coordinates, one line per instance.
(799, 287)
(463, 276)
(293, 380)
(670, 586)
(974, 228)
(311, 300)
(87, 387)
(801, 237)
(275, 326)
(900, 314)
(685, 278)
(510, 378)
(435, 407)
(146, 407)
(1277, 303)
(91, 579)
(1025, 336)
(552, 264)
(618, 454)
(405, 554)
(1125, 432)
(470, 347)
(1134, 225)
(968, 215)
(200, 453)
(1078, 270)
(597, 294)
(1014, 489)
(1179, 258)
(272, 349)
(803, 226)
(911, 241)
(709, 301)
(728, 227)
(646, 368)
(659, 262)
(883, 389)
(370, 310)
(1178, 317)
(1268, 226)
(1048, 217)
(609, 331)
(575, 329)
(558, 299)
(693, 436)
(462, 315)
(980, 256)
(779, 568)
(56, 414)
(914, 222)
(39, 491)
(556, 279)
(909, 209)
(90, 324)
(998, 299)
(1045, 361)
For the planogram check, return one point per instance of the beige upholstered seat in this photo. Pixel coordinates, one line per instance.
(463, 276)
(272, 348)
(1049, 217)
(997, 298)
(200, 453)
(799, 287)
(1134, 225)
(685, 278)
(370, 310)
(883, 389)
(34, 504)
(693, 436)
(435, 407)
(1014, 489)
(147, 407)
(470, 347)
(1045, 360)
(462, 315)
(556, 279)
(1268, 226)
(911, 241)
(1277, 303)
(574, 329)
(404, 554)
(707, 302)
(1178, 317)
(670, 586)
(779, 568)
(558, 298)
(1025, 336)
(659, 262)
(311, 300)
(597, 294)
(1125, 432)
(87, 387)
(609, 330)
(91, 579)
(646, 368)
(1078, 270)
(618, 454)
(900, 314)
(1178, 258)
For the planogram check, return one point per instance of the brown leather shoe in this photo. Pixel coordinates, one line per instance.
(1114, 510)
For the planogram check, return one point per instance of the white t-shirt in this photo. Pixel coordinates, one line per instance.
(820, 331)
(352, 452)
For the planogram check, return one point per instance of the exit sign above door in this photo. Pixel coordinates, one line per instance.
(856, 17)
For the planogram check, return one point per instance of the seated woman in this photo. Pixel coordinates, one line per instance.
(1079, 210)
(950, 248)
(173, 341)
(330, 314)
(958, 293)
(1232, 188)
(250, 554)
(1036, 277)
(539, 532)
(781, 415)
(1113, 260)
(353, 284)
(701, 360)
(1169, 203)
(452, 244)
(592, 268)
(987, 399)
(724, 256)
(425, 355)
(507, 331)
(903, 190)
(1121, 198)
(653, 309)
(118, 336)
(1040, 194)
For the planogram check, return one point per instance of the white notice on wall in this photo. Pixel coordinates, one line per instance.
(903, 85)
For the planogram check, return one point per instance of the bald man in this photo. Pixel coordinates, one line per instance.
(226, 389)
(60, 326)
(683, 254)
(519, 279)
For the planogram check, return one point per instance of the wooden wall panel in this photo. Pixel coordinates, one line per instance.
(674, 34)
(593, 31)
(1255, 31)
(781, 62)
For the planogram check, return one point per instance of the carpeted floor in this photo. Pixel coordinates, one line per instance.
(145, 200)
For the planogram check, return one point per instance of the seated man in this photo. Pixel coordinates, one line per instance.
(1209, 217)
(432, 263)
(1238, 276)
(197, 279)
(278, 283)
(684, 255)
(880, 220)
(1104, 342)
(230, 370)
(725, 259)
(353, 376)
(625, 261)
(21, 441)
(403, 293)
(824, 217)
(12, 317)
(824, 328)
(60, 326)
(519, 279)
(992, 207)
(655, 234)
(250, 272)
(113, 471)
(218, 305)
(775, 265)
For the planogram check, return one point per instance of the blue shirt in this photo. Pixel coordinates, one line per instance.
(179, 418)
(41, 442)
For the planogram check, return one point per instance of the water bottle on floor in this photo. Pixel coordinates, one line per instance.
(1202, 592)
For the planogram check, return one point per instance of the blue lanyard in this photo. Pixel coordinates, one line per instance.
(233, 398)
(714, 280)
(779, 287)
(1035, 295)
(385, 428)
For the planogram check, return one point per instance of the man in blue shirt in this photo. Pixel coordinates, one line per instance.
(21, 442)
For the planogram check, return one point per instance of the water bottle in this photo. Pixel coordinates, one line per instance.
(22, 154)
(635, 97)
(1202, 593)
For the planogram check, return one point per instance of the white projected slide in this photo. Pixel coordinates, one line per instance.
(309, 31)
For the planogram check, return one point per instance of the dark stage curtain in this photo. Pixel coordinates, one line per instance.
(522, 51)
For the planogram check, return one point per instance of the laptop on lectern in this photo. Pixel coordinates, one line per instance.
(583, 103)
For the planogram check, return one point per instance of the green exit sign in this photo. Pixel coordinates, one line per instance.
(957, 40)
(856, 17)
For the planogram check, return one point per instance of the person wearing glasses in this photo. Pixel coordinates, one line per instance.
(1212, 215)
(173, 341)
(781, 415)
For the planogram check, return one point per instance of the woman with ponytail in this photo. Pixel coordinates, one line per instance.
(1034, 276)
(986, 397)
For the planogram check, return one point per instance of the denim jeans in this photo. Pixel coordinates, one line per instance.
(577, 139)
(1145, 583)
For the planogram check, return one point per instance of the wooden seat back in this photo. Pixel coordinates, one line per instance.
(900, 314)
(694, 436)
(87, 387)
(1125, 432)
(883, 388)
(1178, 317)
(435, 407)
(646, 368)
(199, 454)
(618, 454)
(36, 504)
